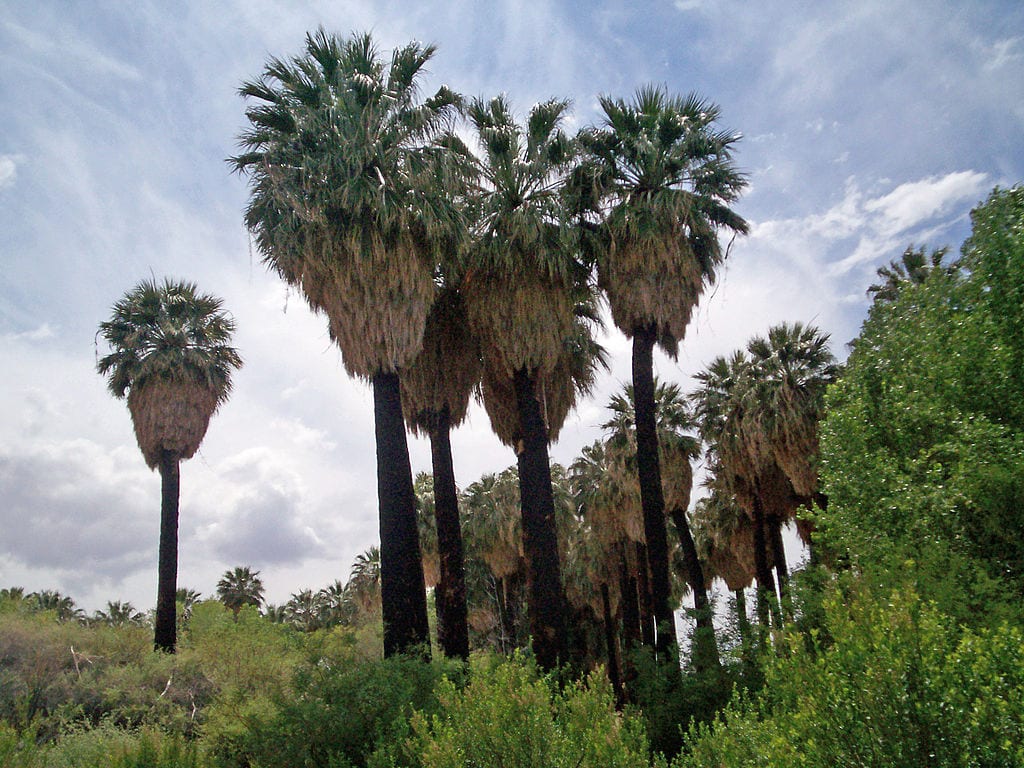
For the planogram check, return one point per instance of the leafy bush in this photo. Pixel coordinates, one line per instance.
(336, 712)
(899, 686)
(510, 716)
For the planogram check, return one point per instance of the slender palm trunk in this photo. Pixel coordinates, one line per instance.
(630, 604)
(403, 595)
(166, 630)
(705, 648)
(781, 569)
(743, 624)
(651, 497)
(643, 589)
(450, 595)
(546, 601)
(610, 641)
(767, 601)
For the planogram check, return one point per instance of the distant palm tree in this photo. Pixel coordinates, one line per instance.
(186, 600)
(305, 610)
(913, 267)
(62, 605)
(14, 594)
(364, 579)
(240, 586)
(118, 614)
(665, 177)
(338, 154)
(171, 358)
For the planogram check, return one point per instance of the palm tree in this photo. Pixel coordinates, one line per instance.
(240, 586)
(170, 357)
(517, 283)
(364, 580)
(758, 412)
(493, 533)
(913, 267)
(677, 450)
(51, 600)
(186, 599)
(336, 154)
(436, 388)
(665, 179)
(118, 614)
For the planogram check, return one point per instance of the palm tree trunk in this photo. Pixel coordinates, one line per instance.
(546, 601)
(402, 591)
(651, 498)
(450, 595)
(614, 669)
(781, 569)
(767, 601)
(643, 588)
(165, 634)
(705, 648)
(743, 624)
(630, 604)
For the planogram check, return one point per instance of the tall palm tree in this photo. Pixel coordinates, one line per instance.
(337, 155)
(436, 389)
(171, 358)
(665, 179)
(240, 586)
(517, 281)
(364, 580)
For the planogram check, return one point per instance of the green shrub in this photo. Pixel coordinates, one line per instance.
(335, 713)
(510, 716)
(899, 685)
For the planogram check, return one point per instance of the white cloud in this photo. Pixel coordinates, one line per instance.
(916, 202)
(8, 170)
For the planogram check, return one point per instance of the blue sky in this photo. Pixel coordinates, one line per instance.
(867, 126)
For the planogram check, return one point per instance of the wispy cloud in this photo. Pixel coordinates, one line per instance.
(8, 170)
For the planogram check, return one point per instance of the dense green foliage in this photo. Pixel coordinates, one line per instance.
(922, 449)
(898, 685)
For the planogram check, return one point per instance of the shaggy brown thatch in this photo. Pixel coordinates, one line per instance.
(377, 306)
(520, 325)
(497, 392)
(725, 565)
(795, 450)
(651, 281)
(170, 416)
(445, 371)
(676, 477)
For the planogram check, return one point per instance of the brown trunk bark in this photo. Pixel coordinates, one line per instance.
(545, 598)
(403, 594)
(450, 595)
(651, 496)
(610, 641)
(166, 629)
(781, 570)
(643, 588)
(766, 596)
(705, 648)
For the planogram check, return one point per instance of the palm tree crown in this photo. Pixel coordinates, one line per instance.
(665, 177)
(240, 586)
(337, 158)
(170, 356)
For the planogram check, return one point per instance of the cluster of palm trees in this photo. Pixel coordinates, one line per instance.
(447, 269)
(758, 411)
(444, 269)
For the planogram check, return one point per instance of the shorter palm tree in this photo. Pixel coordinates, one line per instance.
(118, 614)
(240, 586)
(170, 358)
